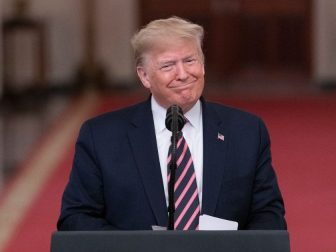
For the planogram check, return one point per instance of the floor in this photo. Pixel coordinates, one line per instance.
(23, 120)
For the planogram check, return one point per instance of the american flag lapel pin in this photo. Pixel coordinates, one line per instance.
(220, 136)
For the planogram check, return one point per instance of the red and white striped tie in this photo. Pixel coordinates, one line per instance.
(187, 207)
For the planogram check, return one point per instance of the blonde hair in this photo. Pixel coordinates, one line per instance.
(160, 29)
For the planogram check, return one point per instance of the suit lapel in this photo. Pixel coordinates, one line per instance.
(215, 145)
(143, 142)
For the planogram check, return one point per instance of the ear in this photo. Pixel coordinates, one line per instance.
(143, 76)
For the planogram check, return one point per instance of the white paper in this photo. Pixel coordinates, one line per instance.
(158, 228)
(207, 222)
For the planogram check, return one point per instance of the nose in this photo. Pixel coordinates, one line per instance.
(181, 72)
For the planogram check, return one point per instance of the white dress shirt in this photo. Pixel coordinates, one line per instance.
(193, 134)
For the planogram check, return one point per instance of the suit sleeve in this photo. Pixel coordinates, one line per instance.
(267, 208)
(83, 206)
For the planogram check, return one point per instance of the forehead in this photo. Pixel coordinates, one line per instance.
(166, 47)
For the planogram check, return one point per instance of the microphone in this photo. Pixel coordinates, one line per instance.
(174, 122)
(175, 114)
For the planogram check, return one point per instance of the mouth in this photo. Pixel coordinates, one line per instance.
(182, 86)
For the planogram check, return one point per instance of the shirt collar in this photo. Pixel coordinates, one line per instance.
(159, 115)
(194, 115)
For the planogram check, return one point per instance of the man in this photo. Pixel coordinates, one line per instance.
(119, 176)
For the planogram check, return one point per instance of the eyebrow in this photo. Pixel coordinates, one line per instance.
(164, 62)
(169, 61)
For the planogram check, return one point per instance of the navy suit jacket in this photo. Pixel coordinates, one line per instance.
(116, 181)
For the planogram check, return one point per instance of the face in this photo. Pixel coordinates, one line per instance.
(174, 73)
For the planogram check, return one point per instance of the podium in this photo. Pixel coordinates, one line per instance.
(168, 241)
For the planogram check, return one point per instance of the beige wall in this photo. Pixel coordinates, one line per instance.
(325, 40)
(116, 21)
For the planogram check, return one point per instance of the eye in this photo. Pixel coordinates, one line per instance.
(190, 61)
(167, 67)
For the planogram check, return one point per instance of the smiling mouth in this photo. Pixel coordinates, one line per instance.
(183, 85)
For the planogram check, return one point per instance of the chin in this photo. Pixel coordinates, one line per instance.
(185, 101)
(187, 105)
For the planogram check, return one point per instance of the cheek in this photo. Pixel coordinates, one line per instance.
(201, 71)
(163, 81)
(159, 86)
(198, 72)
(199, 90)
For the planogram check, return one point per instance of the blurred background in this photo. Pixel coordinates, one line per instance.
(66, 60)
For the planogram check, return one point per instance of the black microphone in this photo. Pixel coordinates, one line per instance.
(175, 113)
(174, 122)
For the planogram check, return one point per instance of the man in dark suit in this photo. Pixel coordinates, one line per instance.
(119, 174)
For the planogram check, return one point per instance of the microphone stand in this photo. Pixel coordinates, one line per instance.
(172, 167)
